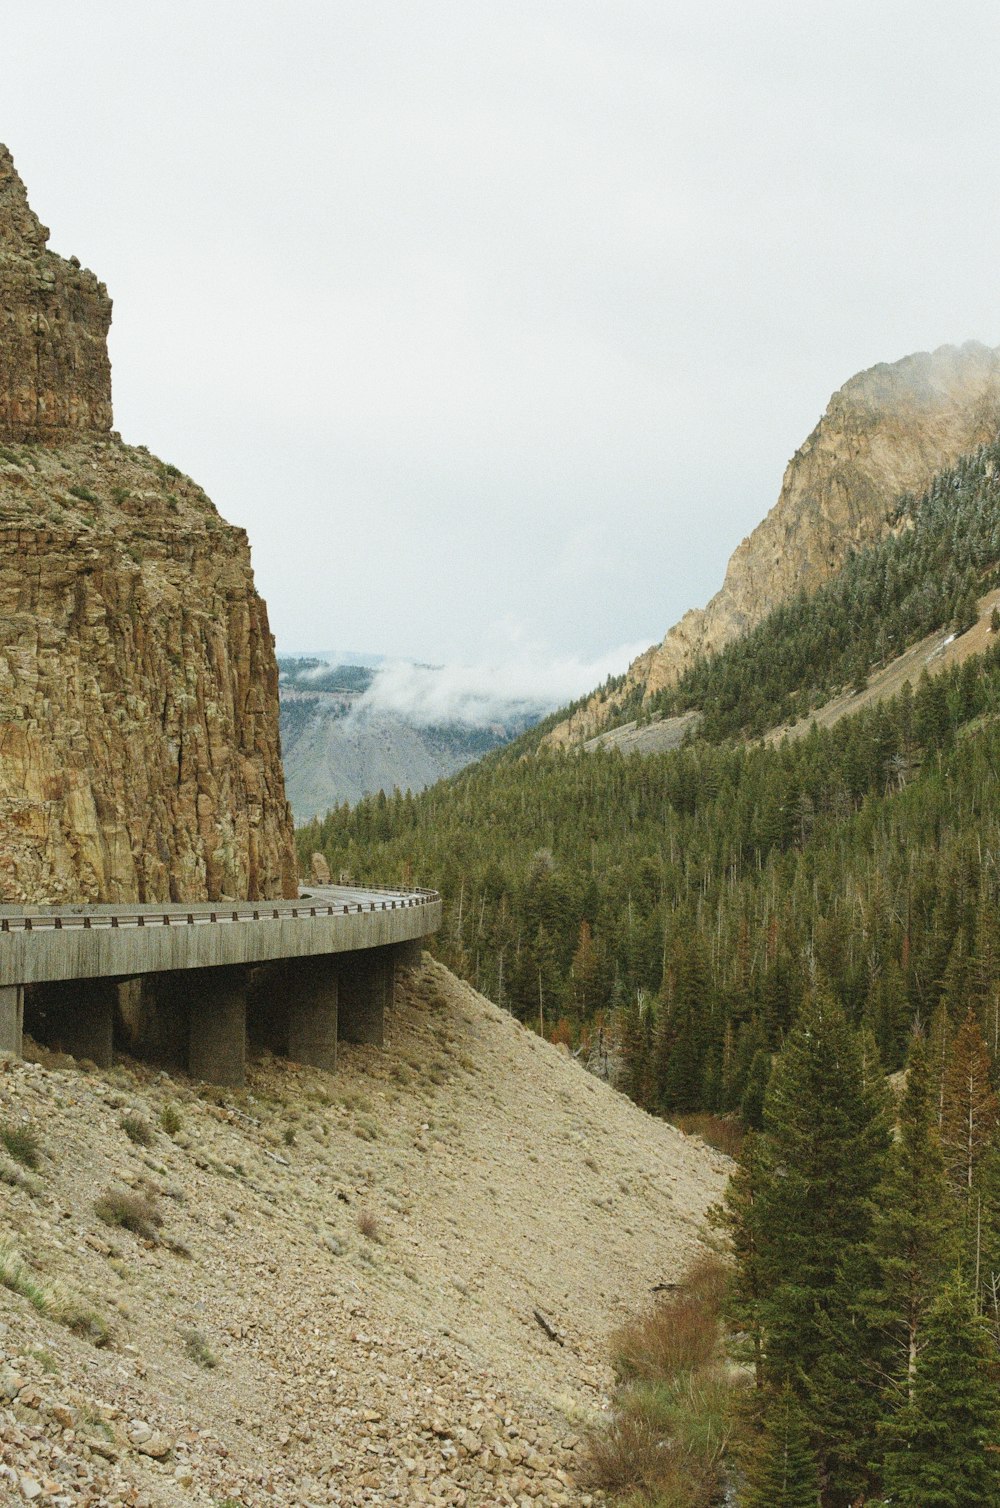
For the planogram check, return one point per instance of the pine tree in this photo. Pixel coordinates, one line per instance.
(970, 1109)
(914, 1229)
(944, 1446)
(782, 1471)
(826, 1139)
(739, 1215)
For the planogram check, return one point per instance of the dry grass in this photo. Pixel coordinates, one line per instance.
(665, 1444)
(679, 1333)
(22, 1143)
(50, 1298)
(134, 1212)
(724, 1133)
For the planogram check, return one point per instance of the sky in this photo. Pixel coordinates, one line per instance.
(495, 322)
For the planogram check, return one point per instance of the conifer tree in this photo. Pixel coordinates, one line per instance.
(970, 1109)
(782, 1471)
(739, 1215)
(826, 1140)
(914, 1229)
(944, 1446)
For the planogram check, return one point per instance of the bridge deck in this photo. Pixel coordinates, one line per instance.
(47, 943)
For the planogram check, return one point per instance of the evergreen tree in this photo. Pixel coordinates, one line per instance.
(944, 1446)
(970, 1109)
(782, 1471)
(914, 1228)
(739, 1216)
(826, 1138)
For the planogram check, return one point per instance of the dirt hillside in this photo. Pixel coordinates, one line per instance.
(338, 1305)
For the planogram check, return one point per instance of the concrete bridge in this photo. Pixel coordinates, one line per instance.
(185, 986)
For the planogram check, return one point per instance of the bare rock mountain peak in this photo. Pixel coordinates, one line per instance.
(139, 750)
(55, 376)
(885, 432)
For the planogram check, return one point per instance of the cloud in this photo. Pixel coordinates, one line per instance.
(478, 695)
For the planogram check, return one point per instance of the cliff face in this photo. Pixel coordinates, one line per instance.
(139, 753)
(55, 377)
(887, 431)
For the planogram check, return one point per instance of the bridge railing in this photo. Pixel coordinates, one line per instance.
(207, 915)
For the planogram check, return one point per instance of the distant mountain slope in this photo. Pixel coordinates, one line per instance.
(339, 745)
(886, 432)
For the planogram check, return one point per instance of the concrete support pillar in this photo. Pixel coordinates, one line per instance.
(365, 991)
(12, 1019)
(86, 1021)
(407, 955)
(217, 1025)
(312, 1012)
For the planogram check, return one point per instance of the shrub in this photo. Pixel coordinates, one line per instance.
(22, 1143)
(671, 1424)
(723, 1133)
(632, 1455)
(677, 1334)
(170, 1119)
(84, 494)
(368, 1225)
(137, 1130)
(198, 1349)
(134, 1212)
(366, 1128)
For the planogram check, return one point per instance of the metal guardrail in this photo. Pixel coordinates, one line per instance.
(55, 921)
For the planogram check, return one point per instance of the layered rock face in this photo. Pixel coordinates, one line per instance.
(886, 432)
(139, 751)
(55, 377)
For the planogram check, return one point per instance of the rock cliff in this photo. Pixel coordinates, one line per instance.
(886, 432)
(139, 752)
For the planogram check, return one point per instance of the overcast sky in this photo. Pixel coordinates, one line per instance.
(495, 323)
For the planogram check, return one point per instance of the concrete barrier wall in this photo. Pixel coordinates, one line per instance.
(75, 952)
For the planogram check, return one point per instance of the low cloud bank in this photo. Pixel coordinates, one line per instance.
(479, 695)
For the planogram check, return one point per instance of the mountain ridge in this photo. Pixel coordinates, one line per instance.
(886, 432)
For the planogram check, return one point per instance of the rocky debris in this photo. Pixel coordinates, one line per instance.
(293, 1361)
(138, 683)
(885, 432)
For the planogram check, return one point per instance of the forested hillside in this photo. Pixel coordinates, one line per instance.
(689, 895)
(943, 553)
(678, 904)
(768, 930)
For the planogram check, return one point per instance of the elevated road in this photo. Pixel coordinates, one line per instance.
(173, 981)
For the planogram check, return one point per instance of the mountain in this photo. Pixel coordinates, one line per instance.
(677, 901)
(341, 741)
(139, 753)
(886, 432)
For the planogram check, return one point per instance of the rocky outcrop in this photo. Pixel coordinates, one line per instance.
(55, 376)
(139, 752)
(886, 432)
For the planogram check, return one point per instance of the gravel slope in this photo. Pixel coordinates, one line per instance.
(360, 1254)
